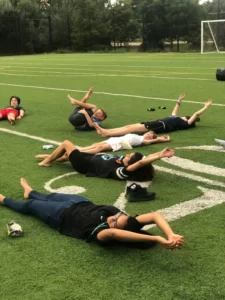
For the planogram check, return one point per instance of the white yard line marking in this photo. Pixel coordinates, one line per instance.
(188, 164)
(190, 176)
(73, 189)
(103, 93)
(204, 147)
(30, 136)
(209, 199)
(107, 66)
(7, 72)
(121, 202)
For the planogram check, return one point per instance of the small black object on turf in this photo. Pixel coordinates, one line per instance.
(135, 193)
(151, 109)
(220, 74)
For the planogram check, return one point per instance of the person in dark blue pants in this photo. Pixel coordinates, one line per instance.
(78, 217)
(49, 208)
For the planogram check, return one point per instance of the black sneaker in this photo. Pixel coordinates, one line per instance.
(135, 193)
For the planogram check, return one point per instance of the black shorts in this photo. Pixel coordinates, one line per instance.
(77, 119)
(156, 126)
(80, 161)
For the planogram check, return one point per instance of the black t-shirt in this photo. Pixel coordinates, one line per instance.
(81, 219)
(174, 123)
(108, 166)
(18, 108)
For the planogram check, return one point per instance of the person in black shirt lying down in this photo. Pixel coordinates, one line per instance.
(78, 217)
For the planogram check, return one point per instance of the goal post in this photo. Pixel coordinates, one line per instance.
(213, 36)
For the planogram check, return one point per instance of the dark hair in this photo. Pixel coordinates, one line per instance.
(17, 98)
(145, 173)
(154, 135)
(134, 226)
(104, 113)
(136, 157)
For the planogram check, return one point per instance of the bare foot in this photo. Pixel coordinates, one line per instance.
(98, 128)
(88, 95)
(44, 164)
(71, 99)
(27, 188)
(2, 197)
(42, 156)
(12, 122)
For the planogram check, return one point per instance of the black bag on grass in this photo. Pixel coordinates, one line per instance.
(220, 74)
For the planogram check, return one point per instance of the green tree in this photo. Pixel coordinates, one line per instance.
(123, 26)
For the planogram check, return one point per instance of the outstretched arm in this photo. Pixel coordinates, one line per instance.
(160, 139)
(199, 112)
(177, 106)
(167, 152)
(160, 221)
(173, 240)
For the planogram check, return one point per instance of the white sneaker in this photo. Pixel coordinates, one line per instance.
(221, 142)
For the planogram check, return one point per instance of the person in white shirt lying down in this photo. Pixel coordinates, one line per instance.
(127, 141)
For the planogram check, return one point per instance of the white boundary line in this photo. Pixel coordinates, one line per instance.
(209, 199)
(30, 136)
(103, 93)
(111, 75)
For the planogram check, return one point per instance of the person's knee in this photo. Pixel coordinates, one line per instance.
(67, 142)
(11, 117)
(68, 146)
(101, 148)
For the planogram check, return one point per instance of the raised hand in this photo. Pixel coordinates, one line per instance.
(208, 103)
(181, 97)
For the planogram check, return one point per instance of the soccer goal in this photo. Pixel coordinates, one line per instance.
(213, 36)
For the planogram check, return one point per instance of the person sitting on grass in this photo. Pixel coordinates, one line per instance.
(12, 112)
(165, 125)
(85, 114)
(78, 217)
(132, 166)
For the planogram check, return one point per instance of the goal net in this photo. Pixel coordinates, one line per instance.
(213, 36)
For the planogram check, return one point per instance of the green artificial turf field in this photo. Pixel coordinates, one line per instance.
(46, 265)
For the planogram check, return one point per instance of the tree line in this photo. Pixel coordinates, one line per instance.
(37, 26)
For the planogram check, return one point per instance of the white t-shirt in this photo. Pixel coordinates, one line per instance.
(125, 142)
